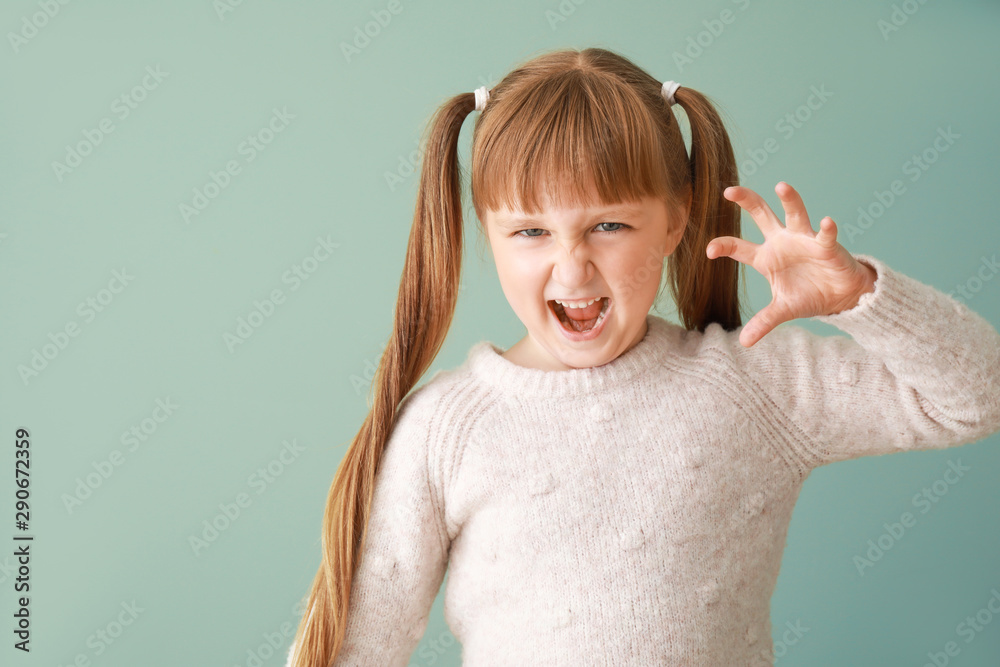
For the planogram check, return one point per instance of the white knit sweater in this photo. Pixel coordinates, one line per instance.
(635, 513)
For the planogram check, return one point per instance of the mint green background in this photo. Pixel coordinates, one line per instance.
(302, 374)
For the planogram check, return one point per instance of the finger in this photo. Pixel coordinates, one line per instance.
(760, 325)
(730, 246)
(752, 203)
(827, 235)
(796, 218)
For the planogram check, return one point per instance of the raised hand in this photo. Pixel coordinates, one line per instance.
(810, 273)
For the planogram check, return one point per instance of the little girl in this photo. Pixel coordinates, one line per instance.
(615, 489)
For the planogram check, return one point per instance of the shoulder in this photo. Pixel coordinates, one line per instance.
(443, 410)
(449, 394)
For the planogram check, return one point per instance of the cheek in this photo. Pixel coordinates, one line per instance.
(639, 275)
(507, 268)
(520, 281)
(526, 272)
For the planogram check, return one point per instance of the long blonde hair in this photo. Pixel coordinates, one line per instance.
(559, 118)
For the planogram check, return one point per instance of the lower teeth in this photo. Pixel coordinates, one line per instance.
(575, 325)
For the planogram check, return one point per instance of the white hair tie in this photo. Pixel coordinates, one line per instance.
(668, 90)
(482, 97)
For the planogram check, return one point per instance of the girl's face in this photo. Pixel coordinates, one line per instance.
(614, 254)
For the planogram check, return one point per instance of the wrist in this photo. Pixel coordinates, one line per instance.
(869, 276)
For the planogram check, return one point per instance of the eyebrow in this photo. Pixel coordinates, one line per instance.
(517, 220)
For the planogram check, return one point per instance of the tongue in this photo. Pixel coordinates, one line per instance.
(583, 314)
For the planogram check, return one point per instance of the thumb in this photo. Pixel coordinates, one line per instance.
(760, 325)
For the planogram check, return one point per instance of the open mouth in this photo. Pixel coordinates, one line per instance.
(581, 320)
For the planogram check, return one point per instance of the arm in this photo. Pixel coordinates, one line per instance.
(921, 372)
(405, 550)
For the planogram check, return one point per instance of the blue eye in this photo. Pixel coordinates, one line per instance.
(530, 236)
(621, 226)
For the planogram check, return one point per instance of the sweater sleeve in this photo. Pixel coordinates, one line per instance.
(405, 551)
(922, 372)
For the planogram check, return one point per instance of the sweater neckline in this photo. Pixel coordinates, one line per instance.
(490, 367)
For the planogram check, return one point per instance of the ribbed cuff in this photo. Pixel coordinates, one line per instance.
(898, 303)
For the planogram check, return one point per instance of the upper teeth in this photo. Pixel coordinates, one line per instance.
(576, 304)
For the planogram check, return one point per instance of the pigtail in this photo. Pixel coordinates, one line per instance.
(428, 292)
(707, 290)
(593, 116)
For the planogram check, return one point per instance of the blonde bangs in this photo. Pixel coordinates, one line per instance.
(576, 137)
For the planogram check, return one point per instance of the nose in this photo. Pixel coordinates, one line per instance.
(572, 266)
